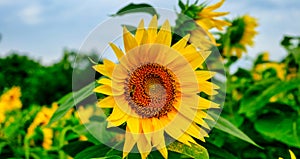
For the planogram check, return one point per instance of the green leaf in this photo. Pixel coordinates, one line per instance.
(280, 128)
(95, 132)
(69, 101)
(74, 148)
(252, 103)
(225, 126)
(195, 151)
(92, 152)
(181, 5)
(136, 8)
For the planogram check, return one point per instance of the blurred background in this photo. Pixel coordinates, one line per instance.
(43, 29)
(39, 41)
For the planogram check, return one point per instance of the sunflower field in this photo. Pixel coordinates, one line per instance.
(168, 92)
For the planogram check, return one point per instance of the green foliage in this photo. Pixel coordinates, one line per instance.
(136, 8)
(251, 104)
(195, 151)
(68, 101)
(224, 125)
(40, 84)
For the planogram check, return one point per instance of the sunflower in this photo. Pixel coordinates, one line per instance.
(206, 19)
(154, 87)
(41, 120)
(242, 33)
(264, 65)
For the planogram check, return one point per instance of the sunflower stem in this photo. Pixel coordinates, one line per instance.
(62, 141)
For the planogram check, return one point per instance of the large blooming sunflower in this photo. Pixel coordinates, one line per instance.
(154, 87)
(207, 19)
(242, 33)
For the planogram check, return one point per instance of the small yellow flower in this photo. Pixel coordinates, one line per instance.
(47, 135)
(10, 100)
(242, 33)
(207, 19)
(154, 89)
(280, 69)
(42, 118)
(84, 113)
(265, 56)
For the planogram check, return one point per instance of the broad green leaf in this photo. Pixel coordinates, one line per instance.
(195, 151)
(255, 101)
(136, 8)
(93, 152)
(69, 101)
(280, 128)
(74, 148)
(225, 126)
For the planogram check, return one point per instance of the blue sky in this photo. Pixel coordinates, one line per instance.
(42, 29)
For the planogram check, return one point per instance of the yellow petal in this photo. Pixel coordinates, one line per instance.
(101, 69)
(215, 6)
(116, 114)
(195, 131)
(158, 141)
(157, 138)
(107, 102)
(181, 43)
(129, 40)
(152, 29)
(204, 75)
(188, 116)
(109, 67)
(194, 59)
(129, 143)
(144, 146)
(190, 49)
(164, 35)
(157, 124)
(163, 151)
(119, 53)
(175, 130)
(139, 32)
(186, 139)
(118, 122)
(104, 81)
(206, 104)
(133, 124)
(292, 155)
(203, 114)
(208, 88)
(145, 39)
(103, 89)
(147, 128)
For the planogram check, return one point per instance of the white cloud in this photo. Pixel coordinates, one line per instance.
(31, 14)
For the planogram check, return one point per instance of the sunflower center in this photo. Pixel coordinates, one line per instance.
(151, 90)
